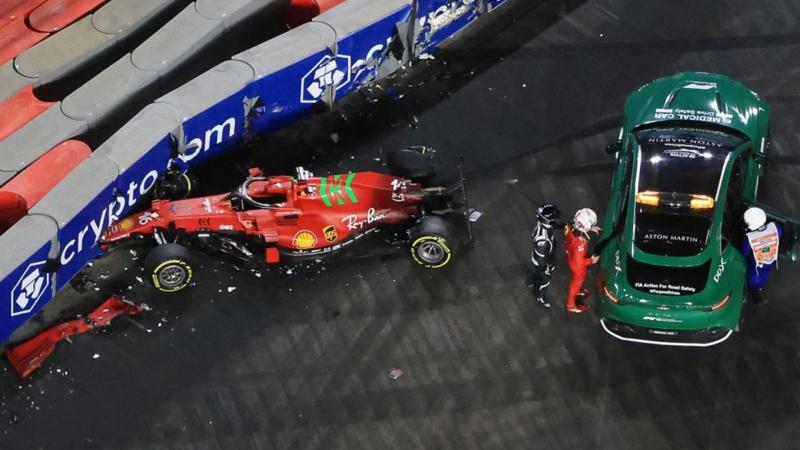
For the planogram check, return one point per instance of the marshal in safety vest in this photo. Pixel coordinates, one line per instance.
(764, 244)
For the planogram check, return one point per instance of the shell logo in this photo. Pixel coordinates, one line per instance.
(126, 225)
(304, 239)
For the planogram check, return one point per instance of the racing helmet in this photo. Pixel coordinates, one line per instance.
(755, 218)
(547, 213)
(584, 220)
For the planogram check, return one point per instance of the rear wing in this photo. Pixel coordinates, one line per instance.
(467, 211)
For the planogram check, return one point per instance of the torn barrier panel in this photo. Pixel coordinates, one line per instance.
(269, 86)
(197, 121)
(374, 39)
(90, 187)
(438, 20)
(142, 150)
(27, 284)
(366, 33)
(216, 106)
(281, 65)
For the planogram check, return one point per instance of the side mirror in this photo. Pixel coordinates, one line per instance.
(613, 147)
(759, 157)
(793, 247)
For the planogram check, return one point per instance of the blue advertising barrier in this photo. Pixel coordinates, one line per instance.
(28, 286)
(263, 89)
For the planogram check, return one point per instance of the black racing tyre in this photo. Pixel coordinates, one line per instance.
(169, 267)
(429, 247)
(412, 164)
(175, 185)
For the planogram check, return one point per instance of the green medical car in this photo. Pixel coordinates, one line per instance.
(690, 155)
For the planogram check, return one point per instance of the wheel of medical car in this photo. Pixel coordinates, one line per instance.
(429, 247)
(169, 267)
(175, 185)
(414, 164)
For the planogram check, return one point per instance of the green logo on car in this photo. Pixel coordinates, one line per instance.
(332, 189)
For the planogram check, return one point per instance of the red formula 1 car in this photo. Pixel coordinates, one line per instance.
(278, 218)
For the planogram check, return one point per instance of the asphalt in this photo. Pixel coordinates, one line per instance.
(301, 359)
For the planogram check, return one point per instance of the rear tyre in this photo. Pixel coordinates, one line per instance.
(169, 267)
(429, 247)
(414, 164)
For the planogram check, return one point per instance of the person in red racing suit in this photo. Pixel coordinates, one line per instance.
(576, 244)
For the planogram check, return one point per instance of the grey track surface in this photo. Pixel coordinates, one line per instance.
(300, 360)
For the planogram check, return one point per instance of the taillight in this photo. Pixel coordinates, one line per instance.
(701, 202)
(648, 198)
(610, 296)
(722, 303)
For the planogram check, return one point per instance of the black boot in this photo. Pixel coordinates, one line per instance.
(542, 301)
(758, 296)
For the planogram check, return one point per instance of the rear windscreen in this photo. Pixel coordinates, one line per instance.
(683, 160)
(679, 172)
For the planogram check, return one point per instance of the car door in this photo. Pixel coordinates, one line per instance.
(790, 227)
(735, 204)
(620, 183)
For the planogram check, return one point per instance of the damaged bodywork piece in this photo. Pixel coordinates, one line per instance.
(26, 357)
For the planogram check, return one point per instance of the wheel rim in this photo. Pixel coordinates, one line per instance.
(172, 276)
(430, 252)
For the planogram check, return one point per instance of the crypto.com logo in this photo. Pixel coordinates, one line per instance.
(29, 289)
(330, 71)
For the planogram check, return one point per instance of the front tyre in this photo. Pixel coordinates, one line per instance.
(175, 185)
(169, 267)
